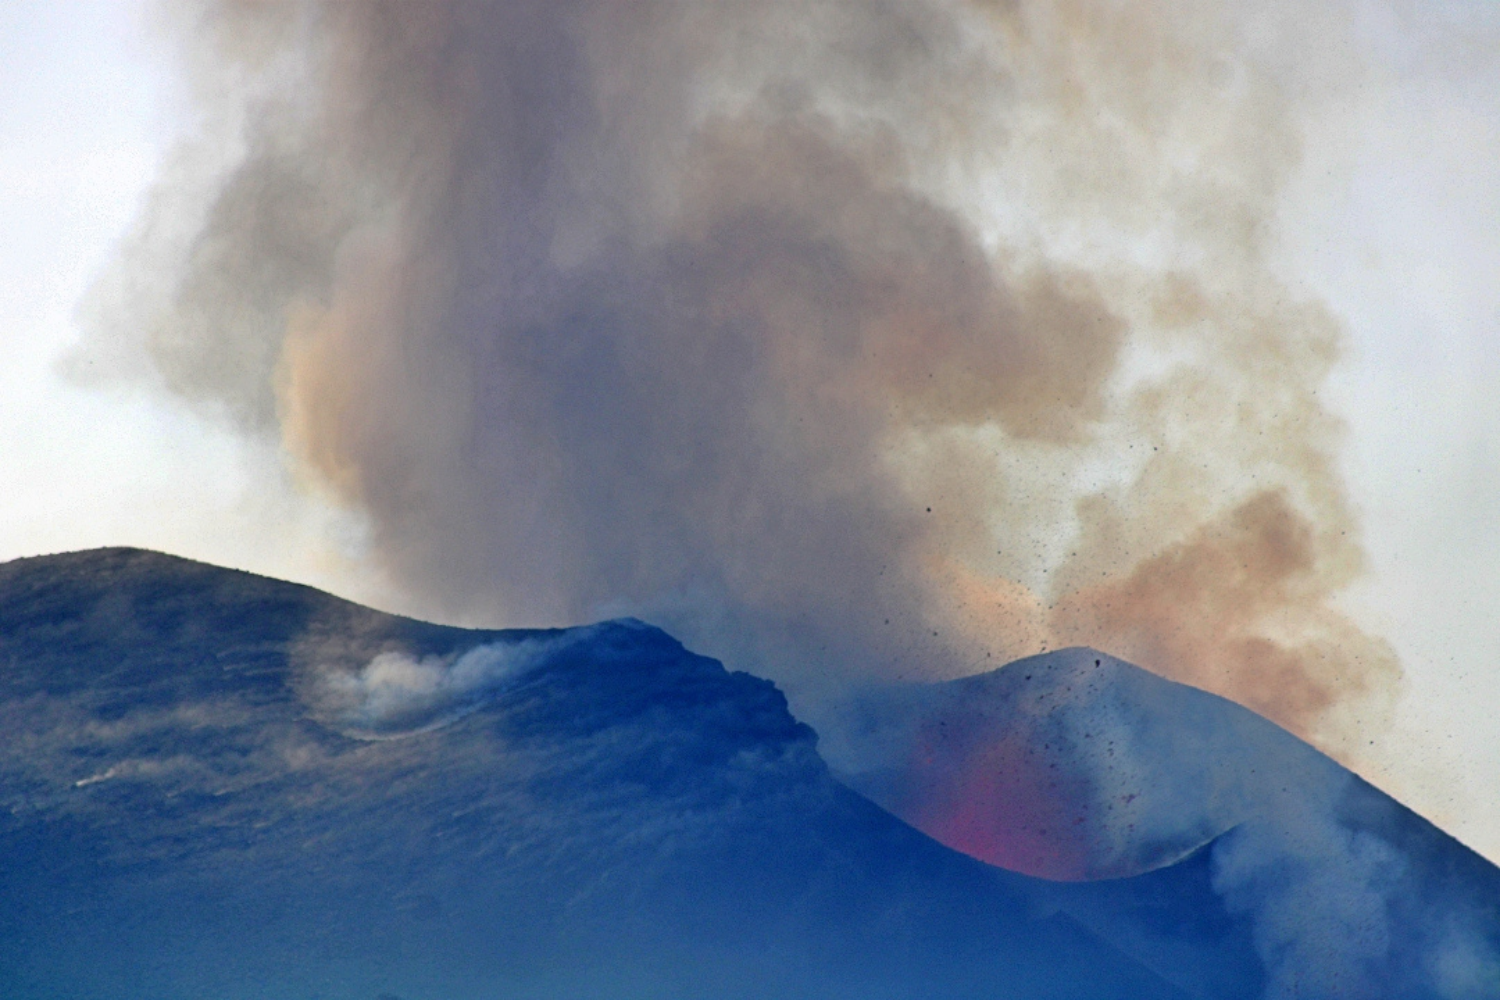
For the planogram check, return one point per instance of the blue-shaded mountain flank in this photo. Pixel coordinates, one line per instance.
(1078, 766)
(216, 785)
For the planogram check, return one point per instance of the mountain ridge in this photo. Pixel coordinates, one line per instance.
(624, 819)
(311, 798)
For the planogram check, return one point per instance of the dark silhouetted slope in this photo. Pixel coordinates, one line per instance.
(217, 785)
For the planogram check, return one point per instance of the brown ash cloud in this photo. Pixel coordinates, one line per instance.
(847, 340)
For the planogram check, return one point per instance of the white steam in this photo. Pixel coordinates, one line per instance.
(396, 694)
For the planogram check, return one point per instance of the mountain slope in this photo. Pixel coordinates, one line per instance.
(1073, 765)
(220, 785)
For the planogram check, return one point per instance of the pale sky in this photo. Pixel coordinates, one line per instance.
(1392, 221)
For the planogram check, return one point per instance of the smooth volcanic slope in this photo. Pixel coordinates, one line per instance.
(219, 785)
(1073, 765)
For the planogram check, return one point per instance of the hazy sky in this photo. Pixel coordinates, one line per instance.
(1390, 219)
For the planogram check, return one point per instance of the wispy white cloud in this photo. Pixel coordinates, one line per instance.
(397, 694)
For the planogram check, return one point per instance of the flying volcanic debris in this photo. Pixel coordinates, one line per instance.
(847, 340)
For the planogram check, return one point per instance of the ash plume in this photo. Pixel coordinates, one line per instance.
(846, 340)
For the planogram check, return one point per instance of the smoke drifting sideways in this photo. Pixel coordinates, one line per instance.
(396, 694)
(848, 341)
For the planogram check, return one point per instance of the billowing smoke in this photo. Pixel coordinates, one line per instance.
(843, 339)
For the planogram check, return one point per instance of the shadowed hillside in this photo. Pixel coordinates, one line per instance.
(219, 785)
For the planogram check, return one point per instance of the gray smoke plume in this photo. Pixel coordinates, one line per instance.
(844, 339)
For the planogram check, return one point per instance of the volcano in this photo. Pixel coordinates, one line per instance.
(220, 785)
